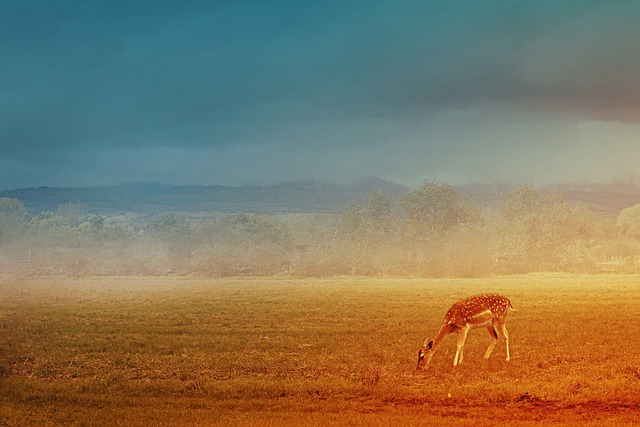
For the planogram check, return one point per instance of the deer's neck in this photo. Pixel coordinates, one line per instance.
(445, 330)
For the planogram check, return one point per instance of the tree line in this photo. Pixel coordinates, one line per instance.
(429, 231)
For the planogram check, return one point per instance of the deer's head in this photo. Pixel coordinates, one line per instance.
(425, 353)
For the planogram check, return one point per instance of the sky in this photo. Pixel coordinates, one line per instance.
(217, 92)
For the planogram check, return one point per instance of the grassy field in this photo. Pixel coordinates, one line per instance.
(269, 352)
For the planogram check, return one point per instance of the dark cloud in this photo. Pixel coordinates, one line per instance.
(230, 91)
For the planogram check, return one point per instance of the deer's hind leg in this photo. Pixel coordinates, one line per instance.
(505, 334)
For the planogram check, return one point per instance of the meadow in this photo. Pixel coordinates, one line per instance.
(179, 351)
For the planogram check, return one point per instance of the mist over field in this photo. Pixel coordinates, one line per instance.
(433, 230)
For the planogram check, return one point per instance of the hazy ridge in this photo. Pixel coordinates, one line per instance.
(302, 197)
(606, 200)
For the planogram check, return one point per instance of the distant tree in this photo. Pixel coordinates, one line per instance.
(544, 232)
(365, 235)
(172, 232)
(71, 212)
(629, 221)
(241, 244)
(435, 209)
(522, 203)
(13, 218)
(12, 208)
(379, 210)
(119, 228)
(169, 227)
(92, 224)
(367, 219)
(260, 230)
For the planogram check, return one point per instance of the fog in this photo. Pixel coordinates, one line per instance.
(429, 231)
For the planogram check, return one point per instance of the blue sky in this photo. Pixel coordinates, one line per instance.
(236, 92)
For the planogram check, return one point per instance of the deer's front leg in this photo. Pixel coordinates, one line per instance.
(462, 337)
(494, 339)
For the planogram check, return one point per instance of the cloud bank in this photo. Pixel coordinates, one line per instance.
(247, 91)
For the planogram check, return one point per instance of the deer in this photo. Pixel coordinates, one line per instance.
(478, 311)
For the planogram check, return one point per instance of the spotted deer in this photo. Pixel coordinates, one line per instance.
(478, 311)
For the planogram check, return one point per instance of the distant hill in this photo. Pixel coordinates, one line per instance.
(605, 204)
(300, 197)
(605, 201)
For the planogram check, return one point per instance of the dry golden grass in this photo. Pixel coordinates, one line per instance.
(254, 352)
